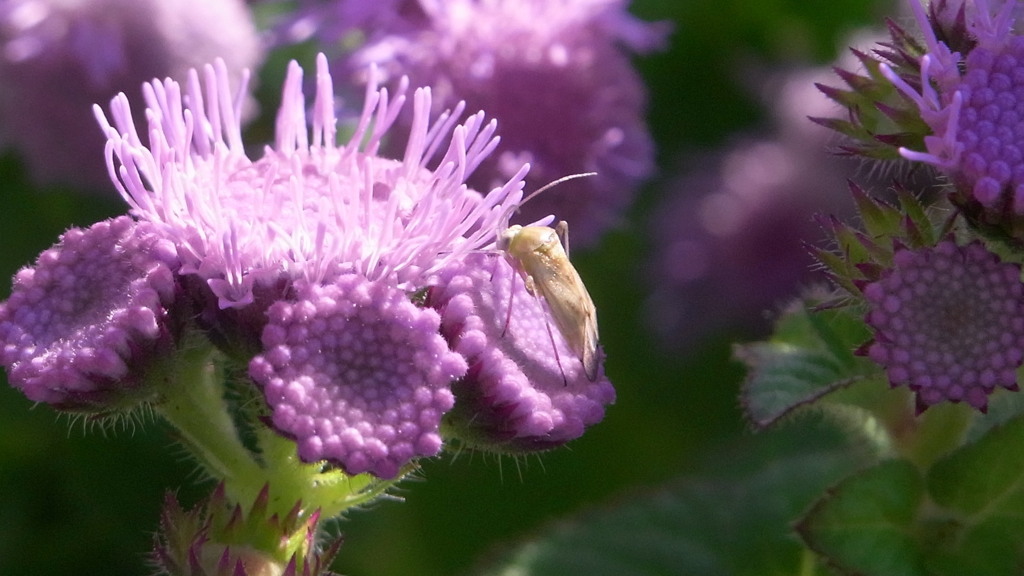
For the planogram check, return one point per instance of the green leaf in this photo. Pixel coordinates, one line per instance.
(981, 486)
(736, 523)
(809, 355)
(866, 524)
(1003, 406)
(986, 478)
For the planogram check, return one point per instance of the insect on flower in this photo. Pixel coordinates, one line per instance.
(540, 255)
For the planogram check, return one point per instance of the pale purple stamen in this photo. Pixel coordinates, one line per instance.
(310, 208)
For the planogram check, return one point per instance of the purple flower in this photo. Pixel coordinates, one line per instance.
(729, 233)
(555, 73)
(326, 243)
(948, 323)
(308, 209)
(84, 323)
(972, 104)
(58, 58)
(357, 374)
(336, 22)
(525, 390)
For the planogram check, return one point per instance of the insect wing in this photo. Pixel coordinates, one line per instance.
(573, 311)
(545, 266)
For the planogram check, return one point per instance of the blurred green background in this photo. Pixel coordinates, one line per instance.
(73, 502)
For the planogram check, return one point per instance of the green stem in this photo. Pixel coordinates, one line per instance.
(193, 402)
(331, 491)
(808, 563)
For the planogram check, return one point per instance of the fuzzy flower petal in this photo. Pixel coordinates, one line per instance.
(949, 323)
(59, 57)
(357, 375)
(308, 209)
(81, 325)
(525, 390)
(527, 62)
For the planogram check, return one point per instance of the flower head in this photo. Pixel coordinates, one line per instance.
(972, 104)
(525, 389)
(357, 374)
(729, 237)
(58, 58)
(82, 324)
(527, 63)
(314, 251)
(948, 323)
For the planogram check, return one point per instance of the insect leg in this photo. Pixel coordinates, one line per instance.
(530, 286)
(554, 348)
(562, 231)
(508, 310)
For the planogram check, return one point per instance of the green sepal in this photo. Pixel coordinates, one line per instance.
(218, 538)
(859, 256)
(880, 118)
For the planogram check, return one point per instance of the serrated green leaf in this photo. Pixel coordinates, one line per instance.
(738, 523)
(810, 355)
(851, 245)
(986, 478)
(981, 486)
(866, 525)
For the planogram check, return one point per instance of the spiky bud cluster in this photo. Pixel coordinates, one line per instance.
(216, 538)
(880, 119)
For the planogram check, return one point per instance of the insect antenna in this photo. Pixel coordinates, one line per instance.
(513, 209)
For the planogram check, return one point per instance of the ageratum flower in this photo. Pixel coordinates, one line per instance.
(321, 249)
(525, 389)
(948, 323)
(58, 58)
(969, 93)
(729, 237)
(347, 19)
(555, 73)
(83, 325)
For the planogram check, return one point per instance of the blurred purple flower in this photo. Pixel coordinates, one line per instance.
(728, 237)
(58, 58)
(948, 323)
(555, 73)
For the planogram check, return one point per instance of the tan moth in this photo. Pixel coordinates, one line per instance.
(537, 253)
